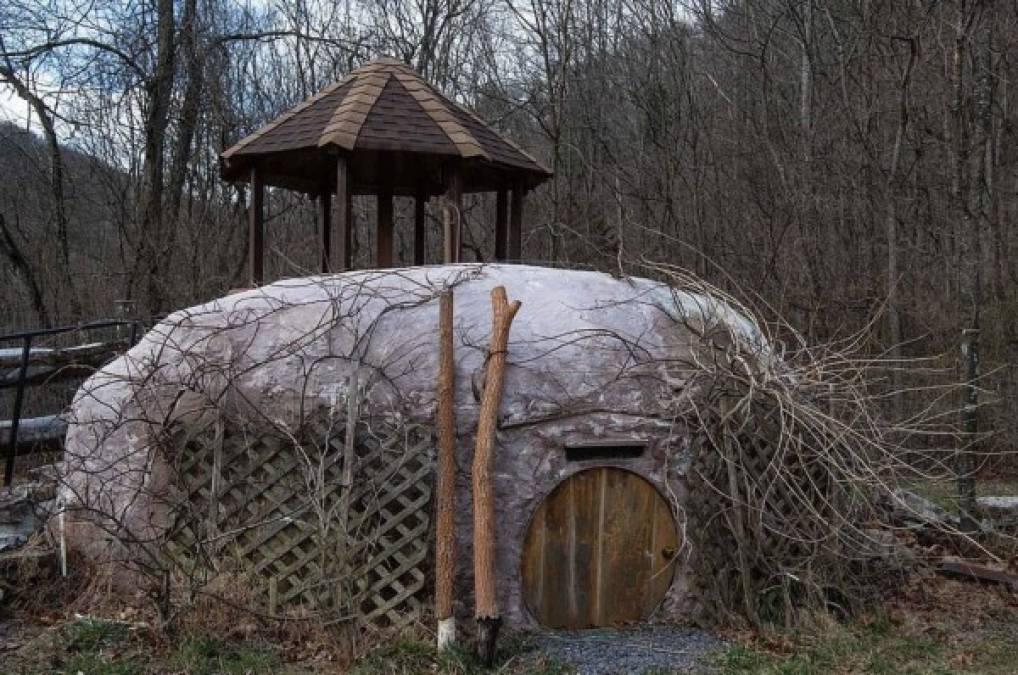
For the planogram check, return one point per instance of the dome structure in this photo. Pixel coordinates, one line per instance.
(592, 445)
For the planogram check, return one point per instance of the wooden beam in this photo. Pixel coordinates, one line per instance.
(516, 224)
(342, 240)
(501, 223)
(256, 230)
(325, 209)
(452, 217)
(383, 257)
(351, 227)
(420, 202)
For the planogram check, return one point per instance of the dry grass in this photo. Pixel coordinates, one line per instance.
(936, 626)
(86, 623)
(93, 623)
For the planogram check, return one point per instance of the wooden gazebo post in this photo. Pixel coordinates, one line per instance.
(420, 203)
(256, 229)
(325, 221)
(501, 223)
(383, 238)
(516, 223)
(342, 239)
(453, 216)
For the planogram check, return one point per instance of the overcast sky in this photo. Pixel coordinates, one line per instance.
(12, 108)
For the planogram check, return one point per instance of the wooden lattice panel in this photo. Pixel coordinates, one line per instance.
(777, 514)
(272, 503)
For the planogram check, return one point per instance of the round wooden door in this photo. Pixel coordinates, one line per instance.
(599, 551)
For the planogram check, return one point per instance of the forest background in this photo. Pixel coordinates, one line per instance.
(851, 164)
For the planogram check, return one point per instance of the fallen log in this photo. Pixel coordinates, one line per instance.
(975, 572)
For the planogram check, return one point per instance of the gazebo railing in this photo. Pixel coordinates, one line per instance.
(25, 364)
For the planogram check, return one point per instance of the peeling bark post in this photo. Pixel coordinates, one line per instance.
(486, 610)
(445, 487)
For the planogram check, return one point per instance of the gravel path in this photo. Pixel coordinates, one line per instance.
(628, 650)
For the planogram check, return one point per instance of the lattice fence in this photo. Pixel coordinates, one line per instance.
(760, 515)
(272, 503)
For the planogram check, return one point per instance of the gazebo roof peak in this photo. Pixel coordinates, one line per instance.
(382, 106)
(382, 62)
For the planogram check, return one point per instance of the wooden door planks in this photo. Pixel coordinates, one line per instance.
(598, 551)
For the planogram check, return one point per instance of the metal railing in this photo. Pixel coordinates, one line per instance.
(43, 365)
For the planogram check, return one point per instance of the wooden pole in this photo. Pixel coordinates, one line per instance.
(256, 229)
(516, 224)
(383, 255)
(353, 401)
(420, 202)
(451, 217)
(966, 464)
(342, 253)
(733, 460)
(325, 209)
(501, 223)
(273, 596)
(486, 611)
(445, 484)
(351, 226)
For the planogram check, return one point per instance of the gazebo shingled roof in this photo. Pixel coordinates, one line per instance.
(394, 127)
(383, 131)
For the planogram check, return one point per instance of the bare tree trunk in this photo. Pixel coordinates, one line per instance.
(189, 112)
(445, 488)
(487, 612)
(159, 90)
(891, 225)
(806, 81)
(23, 270)
(56, 162)
(971, 248)
(970, 426)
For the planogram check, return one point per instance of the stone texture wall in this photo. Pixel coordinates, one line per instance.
(532, 462)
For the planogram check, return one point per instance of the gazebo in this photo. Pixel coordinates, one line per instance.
(383, 131)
